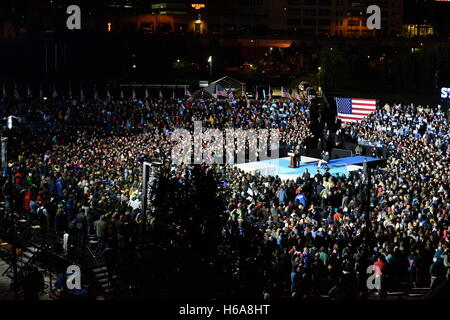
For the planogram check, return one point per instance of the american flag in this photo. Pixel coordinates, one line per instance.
(221, 92)
(354, 110)
(285, 93)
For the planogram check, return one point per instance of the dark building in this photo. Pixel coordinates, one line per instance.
(341, 18)
(231, 18)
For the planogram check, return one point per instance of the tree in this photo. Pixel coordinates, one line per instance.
(334, 69)
(183, 242)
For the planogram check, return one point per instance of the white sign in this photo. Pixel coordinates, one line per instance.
(445, 93)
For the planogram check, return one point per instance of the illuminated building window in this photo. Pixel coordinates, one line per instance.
(414, 30)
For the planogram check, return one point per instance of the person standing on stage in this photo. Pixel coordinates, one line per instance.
(298, 156)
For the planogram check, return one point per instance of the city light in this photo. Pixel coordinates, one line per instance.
(109, 26)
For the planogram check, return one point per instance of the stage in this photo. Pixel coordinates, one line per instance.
(280, 167)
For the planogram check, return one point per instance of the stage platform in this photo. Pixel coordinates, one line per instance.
(280, 167)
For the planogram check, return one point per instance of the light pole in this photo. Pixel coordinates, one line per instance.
(13, 227)
(367, 184)
(9, 167)
(210, 68)
(319, 68)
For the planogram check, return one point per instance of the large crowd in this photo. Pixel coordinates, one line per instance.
(78, 169)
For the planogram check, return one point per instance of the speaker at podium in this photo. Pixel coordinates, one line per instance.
(295, 161)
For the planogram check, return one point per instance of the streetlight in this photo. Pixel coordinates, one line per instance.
(9, 166)
(210, 68)
(319, 68)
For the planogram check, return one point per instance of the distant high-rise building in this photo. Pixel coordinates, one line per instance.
(274, 18)
(342, 18)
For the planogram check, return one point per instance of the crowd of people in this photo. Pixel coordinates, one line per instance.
(320, 231)
(78, 170)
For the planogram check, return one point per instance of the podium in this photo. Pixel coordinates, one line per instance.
(293, 163)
